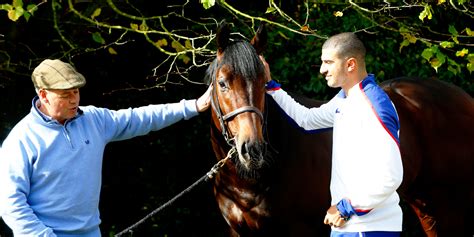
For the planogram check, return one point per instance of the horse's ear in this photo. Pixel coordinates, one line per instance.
(259, 41)
(223, 33)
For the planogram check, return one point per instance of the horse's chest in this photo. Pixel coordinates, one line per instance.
(243, 208)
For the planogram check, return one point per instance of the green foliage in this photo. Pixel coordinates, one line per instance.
(207, 3)
(17, 10)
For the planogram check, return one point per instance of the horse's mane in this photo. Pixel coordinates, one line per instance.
(242, 57)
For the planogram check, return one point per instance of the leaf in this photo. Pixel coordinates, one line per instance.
(208, 3)
(470, 67)
(455, 39)
(435, 63)
(112, 51)
(15, 14)
(441, 2)
(178, 46)
(454, 67)
(446, 44)
(143, 26)
(411, 38)
(305, 28)
(403, 44)
(469, 32)
(427, 54)
(98, 38)
(188, 44)
(462, 53)
(17, 3)
(161, 42)
(134, 26)
(283, 35)
(96, 13)
(6, 7)
(426, 13)
(185, 58)
(338, 14)
(453, 30)
(270, 10)
(27, 16)
(31, 8)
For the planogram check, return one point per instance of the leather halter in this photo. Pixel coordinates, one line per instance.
(224, 118)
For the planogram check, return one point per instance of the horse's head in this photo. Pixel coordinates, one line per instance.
(238, 97)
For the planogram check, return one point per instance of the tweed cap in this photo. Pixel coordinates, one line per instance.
(55, 74)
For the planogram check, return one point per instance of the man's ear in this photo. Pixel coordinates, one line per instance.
(351, 64)
(42, 95)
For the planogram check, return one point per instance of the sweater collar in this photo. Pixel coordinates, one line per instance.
(45, 118)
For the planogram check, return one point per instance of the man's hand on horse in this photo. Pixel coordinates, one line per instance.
(333, 217)
(203, 102)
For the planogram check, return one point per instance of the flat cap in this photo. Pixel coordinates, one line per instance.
(56, 74)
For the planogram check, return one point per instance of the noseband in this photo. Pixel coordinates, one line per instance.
(229, 116)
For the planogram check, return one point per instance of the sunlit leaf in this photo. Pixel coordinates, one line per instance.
(447, 44)
(270, 10)
(96, 13)
(17, 3)
(338, 14)
(305, 28)
(31, 8)
(15, 14)
(470, 67)
(469, 32)
(134, 26)
(426, 13)
(427, 54)
(455, 39)
(435, 63)
(208, 3)
(462, 53)
(441, 2)
(6, 7)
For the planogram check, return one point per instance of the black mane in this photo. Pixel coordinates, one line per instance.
(241, 57)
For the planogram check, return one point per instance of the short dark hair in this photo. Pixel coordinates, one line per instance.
(347, 45)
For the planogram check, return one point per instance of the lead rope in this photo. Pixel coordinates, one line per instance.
(209, 175)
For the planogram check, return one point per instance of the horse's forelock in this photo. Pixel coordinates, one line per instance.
(242, 59)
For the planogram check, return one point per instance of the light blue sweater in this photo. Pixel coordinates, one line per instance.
(50, 174)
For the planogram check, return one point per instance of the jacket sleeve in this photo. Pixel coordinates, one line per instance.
(15, 168)
(307, 118)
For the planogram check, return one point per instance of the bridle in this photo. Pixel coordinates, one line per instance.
(224, 118)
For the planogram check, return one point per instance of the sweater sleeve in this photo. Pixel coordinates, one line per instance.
(307, 118)
(15, 168)
(127, 123)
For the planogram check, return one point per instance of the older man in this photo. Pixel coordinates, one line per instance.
(50, 163)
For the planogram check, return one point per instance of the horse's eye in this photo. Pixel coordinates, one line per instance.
(222, 83)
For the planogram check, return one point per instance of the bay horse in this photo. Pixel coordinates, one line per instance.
(275, 176)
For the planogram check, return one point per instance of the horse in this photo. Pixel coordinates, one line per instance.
(274, 178)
